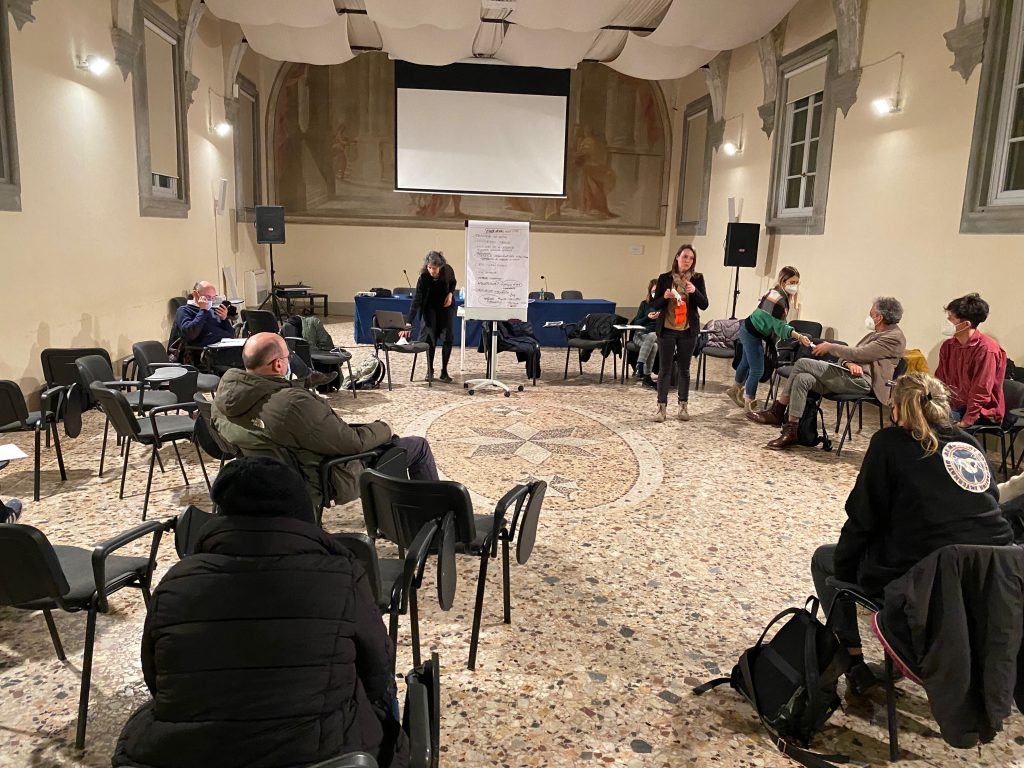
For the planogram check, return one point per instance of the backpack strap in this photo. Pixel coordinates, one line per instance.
(702, 689)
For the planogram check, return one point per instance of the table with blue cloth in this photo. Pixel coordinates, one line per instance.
(538, 313)
(367, 305)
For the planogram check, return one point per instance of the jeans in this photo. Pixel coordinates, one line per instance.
(648, 349)
(751, 366)
(818, 376)
(678, 344)
(419, 457)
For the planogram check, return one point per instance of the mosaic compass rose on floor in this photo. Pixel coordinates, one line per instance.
(590, 460)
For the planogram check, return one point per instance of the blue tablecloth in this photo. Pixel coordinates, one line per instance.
(367, 305)
(538, 313)
(567, 310)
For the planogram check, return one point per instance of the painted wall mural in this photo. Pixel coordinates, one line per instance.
(331, 140)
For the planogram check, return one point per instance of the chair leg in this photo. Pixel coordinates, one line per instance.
(202, 465)
(387, 366)
(83, 699)
(35, 473)
(57, 646)
(579, 359)
(412, 373)
(103, 450)
(478, 610)
(600, 379)
(124, 467)
(414, 628)
(566, 374)
(848, 409)
(350, 377)
(506, 581)
(181, 466)
(59, 452)
(149, 481)
(890, 707)
(860, 416)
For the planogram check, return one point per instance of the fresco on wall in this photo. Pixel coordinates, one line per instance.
(333, 154)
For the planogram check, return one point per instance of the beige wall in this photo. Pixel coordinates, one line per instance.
(896, 189)
(80, 266)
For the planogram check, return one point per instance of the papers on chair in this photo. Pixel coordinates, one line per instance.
(554, 323)
(223, 343)
(629, 327)
(402, 341)
(11, 451)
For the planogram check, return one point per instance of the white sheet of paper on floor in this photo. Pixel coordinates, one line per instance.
(11, 451)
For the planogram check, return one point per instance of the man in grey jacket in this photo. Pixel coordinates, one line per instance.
(862, 370)
(260, 411)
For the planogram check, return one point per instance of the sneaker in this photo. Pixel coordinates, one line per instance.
(318, 379)
(661, 414)
(684, 414)
(445, 377)
(10, 511)
(735, 393)
(648, 382)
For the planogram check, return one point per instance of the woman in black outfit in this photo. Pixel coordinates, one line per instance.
(924, 484)
(435, 301)
(678, 296)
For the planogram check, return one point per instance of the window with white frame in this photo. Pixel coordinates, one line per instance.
(247, 143)
(802, 146)
(695, 169)
(994, 194)
(10, 179)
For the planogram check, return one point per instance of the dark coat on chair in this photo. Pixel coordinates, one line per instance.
(959, 617)
(263, 649)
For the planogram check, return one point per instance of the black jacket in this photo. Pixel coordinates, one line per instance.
(265, 649)
(906, 505)
(957, 618)
(695, 301)
(428, 300)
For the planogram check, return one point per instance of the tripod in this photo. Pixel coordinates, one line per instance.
(735, 293)
(272, 296)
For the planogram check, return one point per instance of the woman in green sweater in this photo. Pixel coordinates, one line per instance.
(646, 315)
(767, 320)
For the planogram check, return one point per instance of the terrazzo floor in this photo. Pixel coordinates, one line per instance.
(662, 551)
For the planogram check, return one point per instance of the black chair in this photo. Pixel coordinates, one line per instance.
(845, 404)
(608, 344)
(720, 353)
(541, 296)
(397, 510)
(385, 337)
(1010, 427)
(258, 321)
(572, 295)
(387, 459)
(320, 361)
(37, 576)
(96, 369)
(153, 431)
(787, 353)
(62, 390)
(16, 417)
(533, 355)
(403, 290)
(208, 438)
(151, 355)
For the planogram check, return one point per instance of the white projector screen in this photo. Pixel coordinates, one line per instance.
(480, 129)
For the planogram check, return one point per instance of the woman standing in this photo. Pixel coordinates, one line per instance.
(678, 295)
(646, 339)
(769, 318)
(924, 484)
(435, 302)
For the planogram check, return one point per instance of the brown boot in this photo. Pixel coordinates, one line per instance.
(773, 416)
(786, 439)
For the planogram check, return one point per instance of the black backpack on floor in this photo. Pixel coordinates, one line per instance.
(807, 428)
(791, 681)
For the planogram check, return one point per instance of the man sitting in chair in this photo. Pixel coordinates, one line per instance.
(260, 411)
(862, 370)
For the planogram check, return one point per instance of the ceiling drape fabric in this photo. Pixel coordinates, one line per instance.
(552, 48)
(719, 24)
(294, 13)
(325, 44)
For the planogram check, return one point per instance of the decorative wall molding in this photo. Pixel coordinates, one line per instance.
(716, 74)
(21, 12)
(190, 13)
(232, 63)
(850, 34)
(769, 51)
(126, 35)
(966, 41)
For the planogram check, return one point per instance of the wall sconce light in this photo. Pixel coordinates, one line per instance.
(888, 105)
(220, 127)
(734, 144)
(95, 64)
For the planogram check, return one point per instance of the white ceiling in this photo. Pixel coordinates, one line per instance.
(651, 39)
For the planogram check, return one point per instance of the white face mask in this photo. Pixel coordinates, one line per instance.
(792, 289)
(869, 323)
(948, 329)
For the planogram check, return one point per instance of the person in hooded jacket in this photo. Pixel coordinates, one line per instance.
(434, 300)
(264, 648)
(258, 410)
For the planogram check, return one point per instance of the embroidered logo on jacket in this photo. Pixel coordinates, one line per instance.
(967, 466)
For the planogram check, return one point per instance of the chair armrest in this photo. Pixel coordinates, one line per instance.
(854, 591)
(190, 407)
(416, 560)
(48, 393)
(514, 496)
(417, 724)
(101, 552)
(124, 384)
(331, 462)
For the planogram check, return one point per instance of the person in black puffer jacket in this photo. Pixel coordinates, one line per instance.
(265, 648)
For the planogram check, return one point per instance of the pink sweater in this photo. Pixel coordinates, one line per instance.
(974, 373)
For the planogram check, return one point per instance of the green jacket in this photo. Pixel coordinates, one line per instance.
(267, 416)
(313, 331)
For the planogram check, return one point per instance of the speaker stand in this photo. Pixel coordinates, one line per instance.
(272, 296)
(735, 295)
